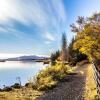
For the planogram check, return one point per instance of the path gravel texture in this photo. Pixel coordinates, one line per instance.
(71, 89)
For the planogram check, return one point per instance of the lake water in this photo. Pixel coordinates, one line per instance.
(10, 70)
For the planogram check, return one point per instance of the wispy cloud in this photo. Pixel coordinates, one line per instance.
(4, 29)
(49, 36)
(40, 13)
(27, 12)
(47, 42)
(46, 15)
(59, 10)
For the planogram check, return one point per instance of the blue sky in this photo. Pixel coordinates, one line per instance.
(36, 26)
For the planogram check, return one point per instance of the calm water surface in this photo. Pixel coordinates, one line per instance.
(10, 70)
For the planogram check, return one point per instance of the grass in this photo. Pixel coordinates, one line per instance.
(20, 94)
(50, 76)
(91, 92)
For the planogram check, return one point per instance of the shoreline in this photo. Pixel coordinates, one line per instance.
(73, 82)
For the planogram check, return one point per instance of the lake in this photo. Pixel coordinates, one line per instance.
(10, 70)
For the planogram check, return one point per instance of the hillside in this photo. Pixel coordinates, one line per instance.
(31, 57)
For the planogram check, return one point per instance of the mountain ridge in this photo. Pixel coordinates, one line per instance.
(29, 57)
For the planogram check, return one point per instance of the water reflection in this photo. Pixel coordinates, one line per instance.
(11, 69)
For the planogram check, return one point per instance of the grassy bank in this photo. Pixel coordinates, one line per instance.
(91, 92)
(20, 94)
(50, 76)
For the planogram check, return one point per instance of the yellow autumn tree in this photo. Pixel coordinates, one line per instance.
(88, 36)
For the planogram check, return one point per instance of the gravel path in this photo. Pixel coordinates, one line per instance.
(71, 89)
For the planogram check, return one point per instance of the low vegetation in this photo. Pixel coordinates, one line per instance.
(91, 91)
(16, 86)
(20, 94)
(49, 77)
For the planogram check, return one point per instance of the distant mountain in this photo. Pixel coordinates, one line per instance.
(31, 57)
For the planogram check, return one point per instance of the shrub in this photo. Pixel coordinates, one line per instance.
(54, 57)
(31, 85)
(50, 76)
(28, 85)
(16, 86)
(59, 76)
(7, 89)
(45, 83)
(0, 90)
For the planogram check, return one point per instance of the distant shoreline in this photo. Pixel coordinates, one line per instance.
(27, 58)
